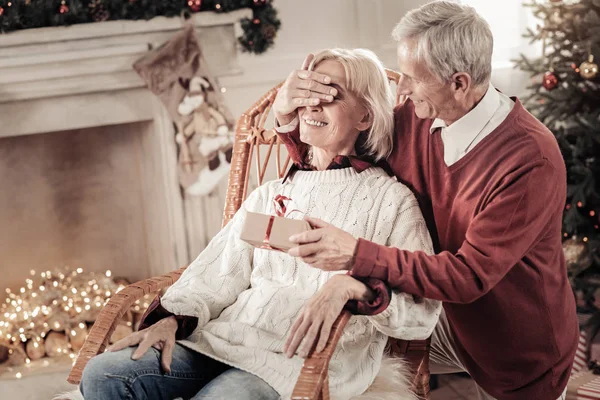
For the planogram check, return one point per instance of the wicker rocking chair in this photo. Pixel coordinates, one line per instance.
(313, 381)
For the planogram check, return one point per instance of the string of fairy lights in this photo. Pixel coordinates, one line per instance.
(49, 316)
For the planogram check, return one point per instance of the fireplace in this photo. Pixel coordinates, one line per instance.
(81, 198)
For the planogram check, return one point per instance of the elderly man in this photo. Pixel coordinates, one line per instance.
(491, 183)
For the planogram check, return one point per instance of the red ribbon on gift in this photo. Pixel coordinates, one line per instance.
(280, 207)
(268, 235)
(280, 211)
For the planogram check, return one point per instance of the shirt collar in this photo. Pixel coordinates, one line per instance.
(464, 130)
(358, 163)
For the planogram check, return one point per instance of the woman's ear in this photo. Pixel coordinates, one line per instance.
(365, 123)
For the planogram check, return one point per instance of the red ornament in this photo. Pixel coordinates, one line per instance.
(1, 11)
(194, 5)
(550, 80)
(63, 8)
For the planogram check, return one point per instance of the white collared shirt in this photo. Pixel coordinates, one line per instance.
(464, 134)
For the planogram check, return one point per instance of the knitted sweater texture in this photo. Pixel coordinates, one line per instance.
(247, 299)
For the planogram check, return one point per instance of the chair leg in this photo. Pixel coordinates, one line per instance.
(422, 388)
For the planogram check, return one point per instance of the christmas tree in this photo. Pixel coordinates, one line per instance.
(565, 96)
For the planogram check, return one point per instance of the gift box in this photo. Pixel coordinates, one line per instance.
(270, 231)
(583, 385)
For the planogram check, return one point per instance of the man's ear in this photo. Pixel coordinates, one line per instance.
(461, 82)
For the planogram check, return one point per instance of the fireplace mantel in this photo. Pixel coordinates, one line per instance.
(60, 78)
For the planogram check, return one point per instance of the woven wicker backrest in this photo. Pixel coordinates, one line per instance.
(250, 135)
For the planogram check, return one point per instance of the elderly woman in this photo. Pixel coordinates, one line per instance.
(232, 309)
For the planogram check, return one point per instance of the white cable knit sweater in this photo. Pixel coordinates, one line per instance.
(246, 299)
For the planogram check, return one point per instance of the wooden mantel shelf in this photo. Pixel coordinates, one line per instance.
(86, 58)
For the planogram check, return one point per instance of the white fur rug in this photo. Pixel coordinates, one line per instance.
(390, 384)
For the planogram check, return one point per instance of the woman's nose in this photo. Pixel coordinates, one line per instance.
(315, 108)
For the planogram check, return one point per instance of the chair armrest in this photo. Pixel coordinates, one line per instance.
(111, 314)
(313, 382)
(416, 353)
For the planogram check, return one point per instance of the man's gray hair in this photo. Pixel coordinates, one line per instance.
(450, 38)
(367, 80)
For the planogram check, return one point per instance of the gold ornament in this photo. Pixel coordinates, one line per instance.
(573, 250)
(17, 355)
(77, 335)
(588, 69)
(3, 353)
(58, 321)
(56, 344)
(35, 349)
(576, 255)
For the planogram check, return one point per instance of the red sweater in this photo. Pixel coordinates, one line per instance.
(495, 218)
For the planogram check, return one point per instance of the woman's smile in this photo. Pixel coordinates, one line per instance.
(314, 122)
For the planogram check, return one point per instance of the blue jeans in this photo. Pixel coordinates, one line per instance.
(111, 376)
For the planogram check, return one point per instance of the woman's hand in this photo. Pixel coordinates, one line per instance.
(301, 88)
(161, 336)
(325, 246)
(318, 315)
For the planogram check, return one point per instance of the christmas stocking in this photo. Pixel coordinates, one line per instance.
(177, 73)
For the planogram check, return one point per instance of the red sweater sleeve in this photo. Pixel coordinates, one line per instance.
(296, 148)
(383, 296)
(516, 217)
(156, 312)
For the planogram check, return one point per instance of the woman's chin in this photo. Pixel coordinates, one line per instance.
(309, 136)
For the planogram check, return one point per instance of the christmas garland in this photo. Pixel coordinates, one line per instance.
(259, 32)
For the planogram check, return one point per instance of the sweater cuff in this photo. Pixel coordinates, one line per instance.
(156, 312)
(383, 295)
(291, 140)
(366, 264)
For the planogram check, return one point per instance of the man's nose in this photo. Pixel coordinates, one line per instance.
(403, 88)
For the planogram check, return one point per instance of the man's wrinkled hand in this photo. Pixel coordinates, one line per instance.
(161, 336)
(317, 317)
(325, 246)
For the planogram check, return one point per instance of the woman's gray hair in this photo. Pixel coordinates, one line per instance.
(450, 38)
(367, 79)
